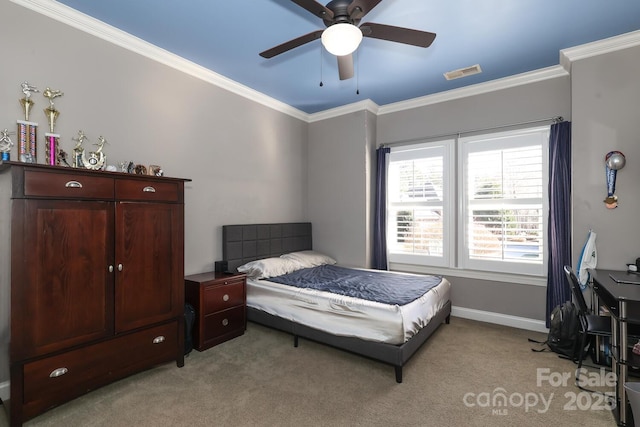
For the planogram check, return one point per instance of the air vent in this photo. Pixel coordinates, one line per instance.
(462, 72)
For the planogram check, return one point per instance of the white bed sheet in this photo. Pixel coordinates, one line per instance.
(348, 316)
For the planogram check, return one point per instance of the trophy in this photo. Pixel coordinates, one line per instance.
(52, 139)
(78, 150)
(97, 159)
(5, 145)
(27, 131)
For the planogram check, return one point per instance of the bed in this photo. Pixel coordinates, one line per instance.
(382, 331)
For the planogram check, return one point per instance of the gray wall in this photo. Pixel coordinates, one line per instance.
(340, 187)
(606, 117)
(247, 161)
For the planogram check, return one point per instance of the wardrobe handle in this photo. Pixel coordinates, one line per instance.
(225, 322)
(73, 184)
(111, 269)
(225, 297)
(149, 190)
(58, 372)
(159, 339)
(119, 267)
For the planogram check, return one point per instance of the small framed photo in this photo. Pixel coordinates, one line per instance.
(140, 170)
(155, 170)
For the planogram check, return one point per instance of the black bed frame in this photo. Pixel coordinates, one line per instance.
(244, 243)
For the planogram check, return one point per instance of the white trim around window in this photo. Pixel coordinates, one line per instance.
(475, 203)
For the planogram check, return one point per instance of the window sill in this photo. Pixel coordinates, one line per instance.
(519, 279)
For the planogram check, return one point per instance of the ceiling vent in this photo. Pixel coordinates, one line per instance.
(462, 72)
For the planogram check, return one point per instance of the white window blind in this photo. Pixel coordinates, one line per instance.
(418, 193)
(504, 192)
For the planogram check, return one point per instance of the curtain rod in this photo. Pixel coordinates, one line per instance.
(557, 119)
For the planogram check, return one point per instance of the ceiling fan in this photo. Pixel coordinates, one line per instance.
(344, 31)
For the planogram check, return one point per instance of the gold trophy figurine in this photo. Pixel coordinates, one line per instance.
(97, 159)
(51, 112)
(78, 150)
(26, 102)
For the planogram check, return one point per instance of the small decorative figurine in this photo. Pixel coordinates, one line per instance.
(26, 102)
(5, 145)
(62, 156)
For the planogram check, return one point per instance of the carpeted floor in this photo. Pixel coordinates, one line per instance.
(468, 374)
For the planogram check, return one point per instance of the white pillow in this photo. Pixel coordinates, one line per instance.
(269, 267)
(309, 259)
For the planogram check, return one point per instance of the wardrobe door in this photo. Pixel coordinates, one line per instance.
(149, 263)
(62, 286)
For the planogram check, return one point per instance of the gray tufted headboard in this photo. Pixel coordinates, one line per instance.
(248, 242)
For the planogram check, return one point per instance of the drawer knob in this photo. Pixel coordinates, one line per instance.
(225, 322)
(159, 339)
(149, 189)
(73, 184)
(58, 372)
(225, 297)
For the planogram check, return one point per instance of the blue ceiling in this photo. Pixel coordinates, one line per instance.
(505, 37)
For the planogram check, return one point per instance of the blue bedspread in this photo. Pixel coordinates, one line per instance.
(379, 286)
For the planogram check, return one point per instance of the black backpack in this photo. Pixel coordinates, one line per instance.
(564, 331)
(189, 319)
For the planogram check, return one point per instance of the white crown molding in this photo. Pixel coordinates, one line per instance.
(89, 25)
(477, 89)
(366, 105)
(600, 47)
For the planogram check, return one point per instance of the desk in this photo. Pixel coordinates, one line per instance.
(621, 300)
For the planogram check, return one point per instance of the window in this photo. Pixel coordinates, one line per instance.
(494, 219)
(418, 194)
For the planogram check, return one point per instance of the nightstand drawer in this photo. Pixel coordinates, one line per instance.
(218, 298)
(223, 323)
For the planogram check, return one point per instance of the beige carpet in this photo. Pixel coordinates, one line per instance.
(260, 379)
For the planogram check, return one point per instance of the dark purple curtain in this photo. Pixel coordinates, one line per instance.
(559, 235)
(380, 218)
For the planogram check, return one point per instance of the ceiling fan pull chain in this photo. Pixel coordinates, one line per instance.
(321, 84)
(357, 73)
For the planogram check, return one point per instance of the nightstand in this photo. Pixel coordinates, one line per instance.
(219, 300)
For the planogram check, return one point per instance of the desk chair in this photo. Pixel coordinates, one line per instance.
(591, 325)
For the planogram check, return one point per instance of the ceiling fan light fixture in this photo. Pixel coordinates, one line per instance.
(341, 39)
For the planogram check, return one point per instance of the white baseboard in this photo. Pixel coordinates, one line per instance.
(4, 391)
(500, 319)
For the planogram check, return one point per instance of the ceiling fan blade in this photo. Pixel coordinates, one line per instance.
(291, 44)
(397, 34)
(345, 66)
(316, 8)
(358, 8)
